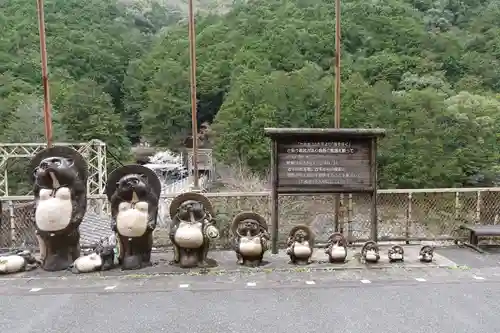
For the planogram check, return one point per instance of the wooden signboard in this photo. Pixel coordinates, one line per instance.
(309, 161)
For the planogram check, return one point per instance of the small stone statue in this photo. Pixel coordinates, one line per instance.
(370, 252)
(101, 259)
(250, 238)
(300, 245)
(17, 261)
(426, 254)
(134, 194)
(396, 254)
(192, 229)
(59, 175)
(337, 248)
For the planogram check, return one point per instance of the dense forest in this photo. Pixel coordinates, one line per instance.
(427, 71)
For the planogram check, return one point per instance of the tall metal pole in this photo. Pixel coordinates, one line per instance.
(337, 99)
(194, 118)
(337, 63)
(45, 76)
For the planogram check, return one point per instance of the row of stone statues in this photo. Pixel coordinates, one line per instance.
(59, 176)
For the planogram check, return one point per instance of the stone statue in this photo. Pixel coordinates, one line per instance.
(134, 194)
(300, 244)
(370, 252)
(101, 259)
(396, 254)
(59, 175)
(250, 238)
(191, 230)
(17, 261)
(426, 254)
(336, 248)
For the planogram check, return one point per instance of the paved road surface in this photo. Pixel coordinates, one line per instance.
(427, 301)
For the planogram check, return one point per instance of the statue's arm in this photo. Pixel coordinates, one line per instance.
(152, 211)
(79, 203)
(114, 211)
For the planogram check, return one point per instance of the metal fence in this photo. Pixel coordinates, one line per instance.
(404, 215)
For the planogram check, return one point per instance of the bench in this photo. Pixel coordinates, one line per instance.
(476, 231)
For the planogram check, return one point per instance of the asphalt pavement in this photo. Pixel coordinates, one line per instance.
(427, 300)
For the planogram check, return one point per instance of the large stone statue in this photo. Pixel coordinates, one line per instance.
(250, 238)
(191, 230)
(300, 245)
(134, 194)
(59, 175)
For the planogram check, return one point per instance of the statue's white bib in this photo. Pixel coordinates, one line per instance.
(250, 246)
(132, 221)
(89, 263)
(189, 236)
(396, 256)
(302, 250)
(11, 264)
(371, 255)
(338, 252)
(53, 213)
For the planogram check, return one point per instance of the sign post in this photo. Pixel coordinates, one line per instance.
(309, 161)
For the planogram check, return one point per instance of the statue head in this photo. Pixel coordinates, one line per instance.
(58, 167)
(337, 239)
(396, 250)
(130, 179)
(300, 236)
(190, 205)
(248, 224)
(301, 233)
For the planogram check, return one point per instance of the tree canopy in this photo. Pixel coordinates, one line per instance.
(427, 71)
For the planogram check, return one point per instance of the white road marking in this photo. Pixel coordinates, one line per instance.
(420, 279)
(34, 290)
(310, 282)
(184, 286)
(110, 288)
(478, 277)
(366, 281)
(251, 284)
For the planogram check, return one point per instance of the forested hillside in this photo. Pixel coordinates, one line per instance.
(427, 71)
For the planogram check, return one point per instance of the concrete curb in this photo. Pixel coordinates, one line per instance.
(216, 271)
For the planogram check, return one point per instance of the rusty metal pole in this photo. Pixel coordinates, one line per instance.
(337, 99)
(45, 76)
(194, 118)
(337, 63)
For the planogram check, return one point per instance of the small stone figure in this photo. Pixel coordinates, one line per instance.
(426, 254)
(396, 254)
(16, 262)
(337, 248)
(134, 194)
(59, 175)
(101, 259)
(192, 229)
(300, 245)
(250, 238)
(370, 252)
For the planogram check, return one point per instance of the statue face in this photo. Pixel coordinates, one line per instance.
(62, 168)
(249, 228)
(186, 208)
(131, 182)
(300, 236)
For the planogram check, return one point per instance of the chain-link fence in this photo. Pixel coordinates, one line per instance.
(403, 215)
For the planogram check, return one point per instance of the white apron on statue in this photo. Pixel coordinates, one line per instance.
(53, 213)
(132, 220)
